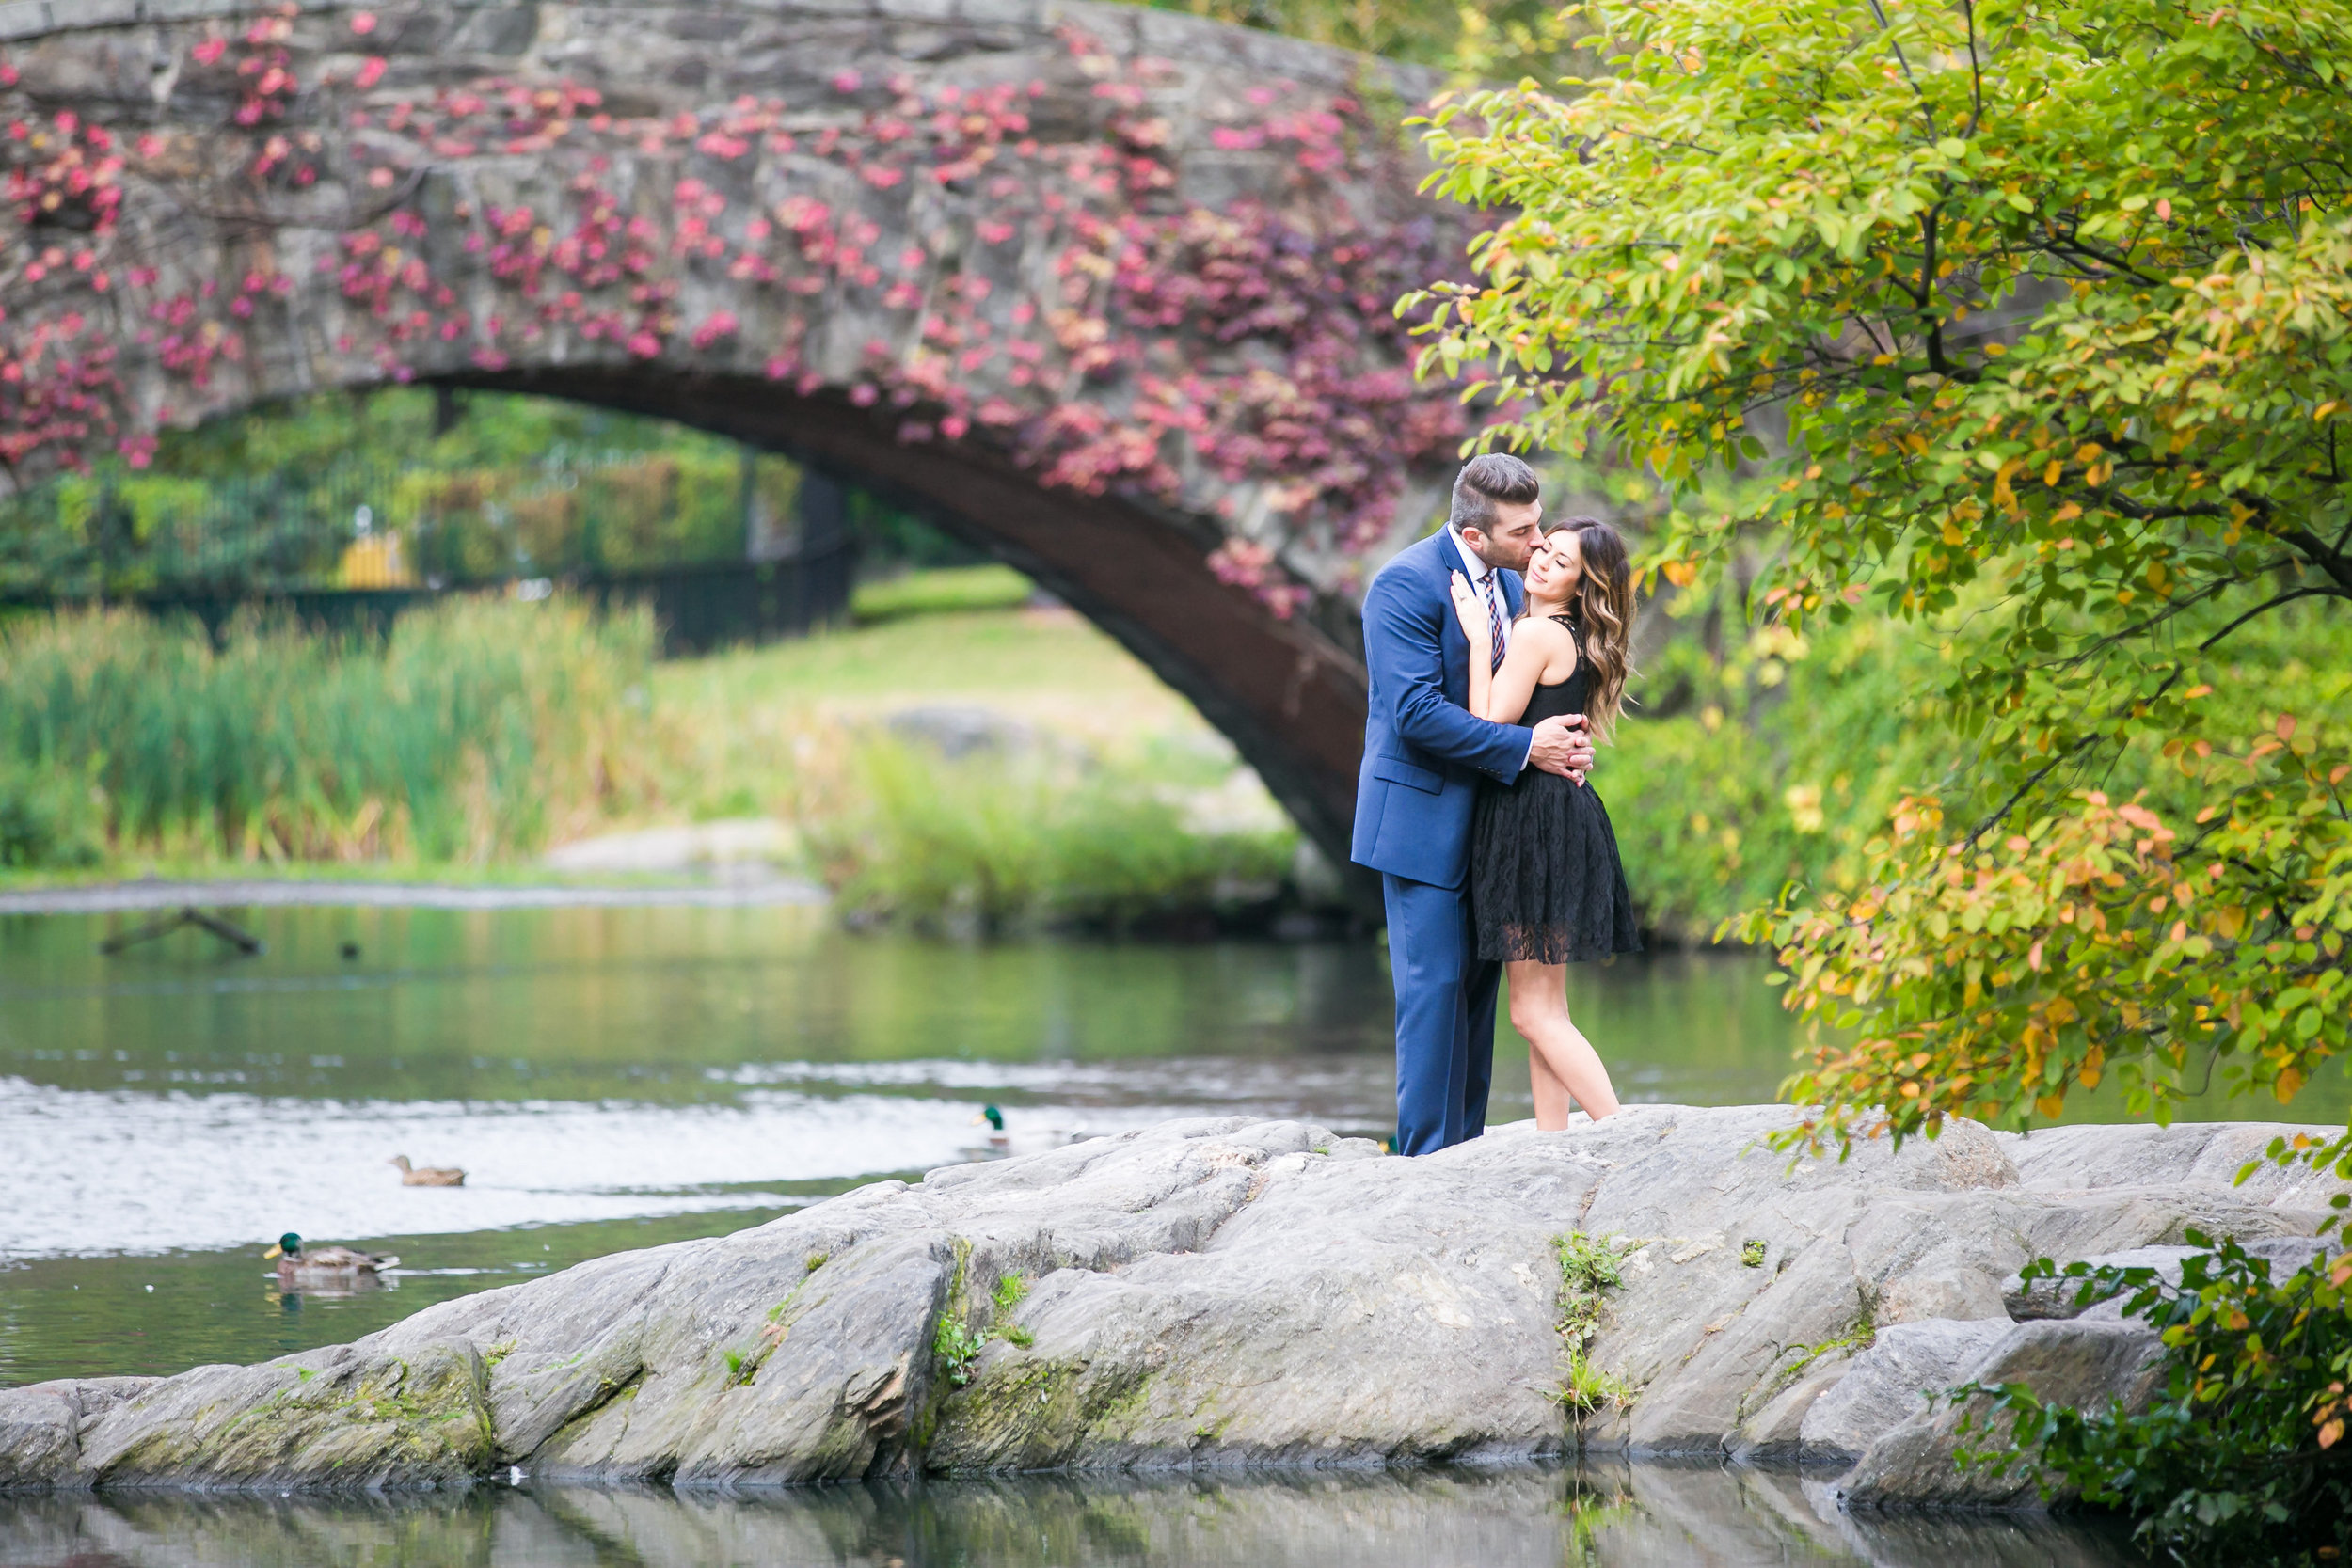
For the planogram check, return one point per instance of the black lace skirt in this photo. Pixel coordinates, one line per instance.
(1546, 882)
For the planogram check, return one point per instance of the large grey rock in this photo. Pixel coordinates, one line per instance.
(40, 1426)
(2087, 1364)
(2198, 1155)
(1892, 1382)
(1203, 1294)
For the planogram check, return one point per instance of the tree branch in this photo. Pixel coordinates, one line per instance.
(2334, 562)
(2053, 765)
(2320, 592)
(1894, 44)
(1976, 70)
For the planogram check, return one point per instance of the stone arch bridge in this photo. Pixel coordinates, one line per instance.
(1105, 290)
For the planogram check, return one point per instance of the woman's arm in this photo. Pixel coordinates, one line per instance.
(1405, 652)
(1534, 647)
(1472, 612)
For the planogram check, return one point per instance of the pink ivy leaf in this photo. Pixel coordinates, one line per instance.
(720, 324)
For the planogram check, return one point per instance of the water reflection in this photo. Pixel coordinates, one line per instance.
(1636, 1517)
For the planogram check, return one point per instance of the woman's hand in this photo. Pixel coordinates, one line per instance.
(1472, 612)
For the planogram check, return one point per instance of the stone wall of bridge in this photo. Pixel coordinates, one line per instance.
(1105, 289)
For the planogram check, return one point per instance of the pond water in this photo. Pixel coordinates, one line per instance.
(617, 1077)
(1522, 1518)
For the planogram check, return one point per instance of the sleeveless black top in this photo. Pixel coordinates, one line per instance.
(1546, 879)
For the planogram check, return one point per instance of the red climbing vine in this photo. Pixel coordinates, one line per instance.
(921, 248)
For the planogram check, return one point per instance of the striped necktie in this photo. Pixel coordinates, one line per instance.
(1494, 616)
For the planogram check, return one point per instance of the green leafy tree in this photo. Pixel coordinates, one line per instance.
(2032, 323)
(1485, 42)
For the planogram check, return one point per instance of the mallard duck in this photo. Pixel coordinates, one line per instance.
(996, 1120)
(427, 1176)
(329, 1266)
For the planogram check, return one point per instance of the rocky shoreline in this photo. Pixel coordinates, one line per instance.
(729, 892)
(1211, 1294)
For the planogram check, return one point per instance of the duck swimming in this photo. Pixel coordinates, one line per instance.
(427, 1176)
(329, 1267)
(996, 1120)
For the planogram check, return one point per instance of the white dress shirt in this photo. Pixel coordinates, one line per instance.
(1484, 582)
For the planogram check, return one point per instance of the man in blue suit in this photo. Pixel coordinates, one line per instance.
(1423, 757)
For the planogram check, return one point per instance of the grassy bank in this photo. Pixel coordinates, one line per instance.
(978, 771)
(474, 732)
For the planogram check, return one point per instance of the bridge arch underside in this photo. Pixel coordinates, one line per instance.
(1289, 697)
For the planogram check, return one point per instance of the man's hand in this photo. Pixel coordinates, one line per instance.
(1562, 746)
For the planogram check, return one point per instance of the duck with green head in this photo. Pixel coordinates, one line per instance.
(996, 1120)
(329, 1267)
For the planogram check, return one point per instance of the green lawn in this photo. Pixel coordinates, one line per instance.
(785, 730)
(937, 593)
(743, 732)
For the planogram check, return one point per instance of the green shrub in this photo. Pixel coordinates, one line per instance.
(995, 844)
(467, 734)
(49, 818)
(2241, 1458)
(957, 1347)
(514, 485)
(1774, 757)
(940, 592)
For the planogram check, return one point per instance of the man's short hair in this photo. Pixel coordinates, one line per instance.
(1488, 478)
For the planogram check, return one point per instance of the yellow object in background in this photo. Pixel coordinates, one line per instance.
(373, 561)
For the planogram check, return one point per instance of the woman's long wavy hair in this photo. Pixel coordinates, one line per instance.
(1603, 605)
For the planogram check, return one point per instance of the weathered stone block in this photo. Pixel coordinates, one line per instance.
(1891, 1381)
(2087, 1364)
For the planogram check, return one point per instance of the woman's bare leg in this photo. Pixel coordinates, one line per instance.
(1552, 1101)
(1562, 1062)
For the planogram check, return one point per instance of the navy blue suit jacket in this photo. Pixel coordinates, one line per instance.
(1423, 751)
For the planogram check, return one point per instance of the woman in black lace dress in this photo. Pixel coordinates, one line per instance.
(1545, 883)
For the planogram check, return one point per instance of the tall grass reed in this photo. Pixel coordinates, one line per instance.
(473, 730)
(996, 845)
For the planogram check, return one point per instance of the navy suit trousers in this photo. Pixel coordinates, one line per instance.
(1445, 1016)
